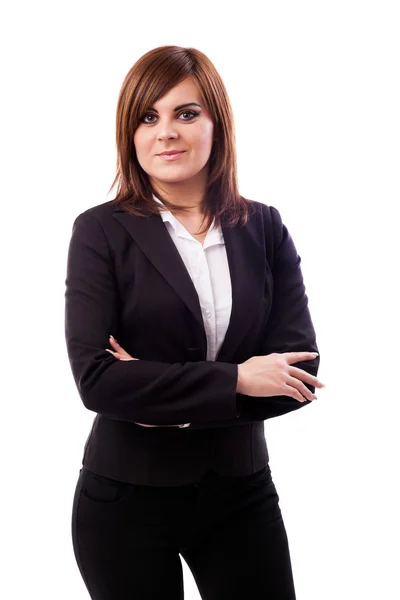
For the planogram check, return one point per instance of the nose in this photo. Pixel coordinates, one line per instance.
(166, 131)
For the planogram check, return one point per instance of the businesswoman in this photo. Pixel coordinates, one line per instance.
(187, 326)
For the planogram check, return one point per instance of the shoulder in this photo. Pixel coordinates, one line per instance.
(95, 227)
(270, 217)
(97, 221)
(267, 211)
(101, 212)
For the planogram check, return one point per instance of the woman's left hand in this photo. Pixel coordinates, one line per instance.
(122, 354)
(118, 351)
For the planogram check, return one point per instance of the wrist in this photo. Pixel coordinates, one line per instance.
(240, 383)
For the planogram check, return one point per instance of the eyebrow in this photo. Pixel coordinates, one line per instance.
(180, 106)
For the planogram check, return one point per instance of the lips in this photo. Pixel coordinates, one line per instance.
(171, 155)
(171, 152)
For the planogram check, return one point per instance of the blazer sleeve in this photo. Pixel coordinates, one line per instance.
(143, 391)
(289, 326)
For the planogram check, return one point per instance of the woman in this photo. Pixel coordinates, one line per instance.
(203, 293)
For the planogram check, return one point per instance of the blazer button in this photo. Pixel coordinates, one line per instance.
(194, 354)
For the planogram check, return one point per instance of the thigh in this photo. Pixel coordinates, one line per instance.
(243, 551)
(116, 543)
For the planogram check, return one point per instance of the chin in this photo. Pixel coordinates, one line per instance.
(173, 177)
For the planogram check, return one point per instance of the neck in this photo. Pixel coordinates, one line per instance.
(186, 193)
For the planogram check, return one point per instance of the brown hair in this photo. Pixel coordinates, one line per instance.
(150, 78)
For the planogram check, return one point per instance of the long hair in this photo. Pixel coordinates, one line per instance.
(150, 78)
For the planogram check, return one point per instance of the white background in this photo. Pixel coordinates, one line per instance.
(314, 86)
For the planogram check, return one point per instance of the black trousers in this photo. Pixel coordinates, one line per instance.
(128, 538)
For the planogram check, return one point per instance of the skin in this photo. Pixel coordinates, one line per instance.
(181, 181)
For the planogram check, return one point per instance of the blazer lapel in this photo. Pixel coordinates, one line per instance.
(247, 265)
(156, 243)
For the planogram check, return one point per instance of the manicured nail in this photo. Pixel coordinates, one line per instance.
(112, 337)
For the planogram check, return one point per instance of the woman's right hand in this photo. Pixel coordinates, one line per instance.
(274, 375)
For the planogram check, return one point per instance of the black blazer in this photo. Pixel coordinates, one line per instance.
(125, 277)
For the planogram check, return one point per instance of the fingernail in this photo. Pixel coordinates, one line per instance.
(112, 337)
(314, 353)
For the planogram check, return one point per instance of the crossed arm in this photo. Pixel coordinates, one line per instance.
(203, 393)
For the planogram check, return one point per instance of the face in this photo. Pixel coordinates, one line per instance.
(177, 121)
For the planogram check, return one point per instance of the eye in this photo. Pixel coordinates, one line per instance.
(192, 114)
(142, 120)
(189, 112)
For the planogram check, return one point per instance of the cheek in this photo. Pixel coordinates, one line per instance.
(140, 144)
(203, 138)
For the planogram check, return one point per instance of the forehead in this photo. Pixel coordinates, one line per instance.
(186, 91)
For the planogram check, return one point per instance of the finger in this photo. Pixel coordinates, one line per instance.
(114, 342)
(304, 376)
(120, 356)
(294, 357)
(117, 354)
(299, 385)
(120, 350)
(118, 346)
(294, 393)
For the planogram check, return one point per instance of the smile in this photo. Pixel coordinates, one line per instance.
(174, 156)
